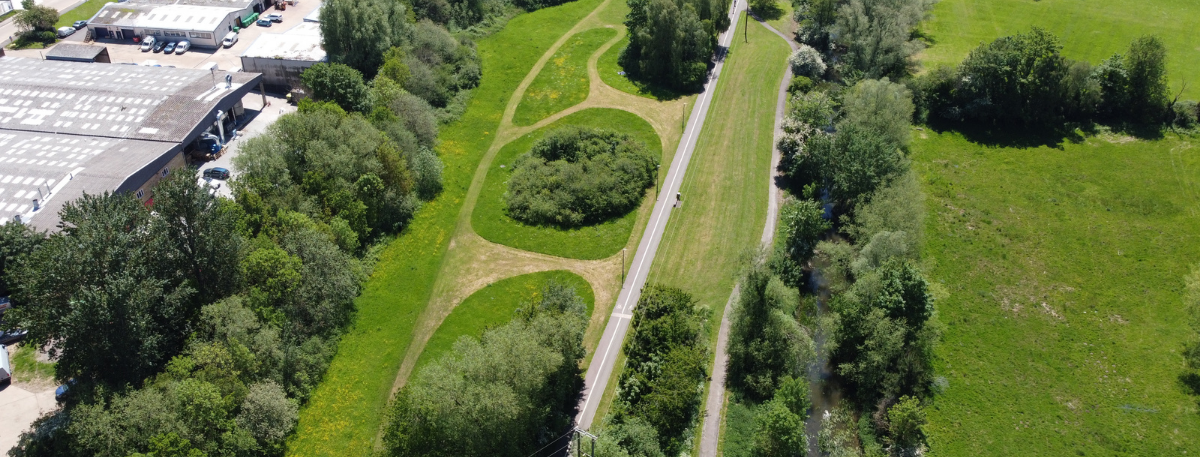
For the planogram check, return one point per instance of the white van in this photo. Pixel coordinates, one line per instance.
(230, 39)
(5, 367)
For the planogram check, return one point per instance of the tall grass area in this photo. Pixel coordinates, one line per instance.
(491, 221)
(496, 305)
(344, 414)
(563, 81)
(1090, 30)
(1060, 271)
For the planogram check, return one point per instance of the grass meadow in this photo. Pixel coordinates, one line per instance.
(345, 412)
(491, 221)
(1061, 271)
(496, 305)
(563, 82)
(725, 188)
(1090, 30)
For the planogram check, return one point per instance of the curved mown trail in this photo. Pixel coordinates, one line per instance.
(439, 261)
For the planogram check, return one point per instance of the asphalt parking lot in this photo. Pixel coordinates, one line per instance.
(126, 51)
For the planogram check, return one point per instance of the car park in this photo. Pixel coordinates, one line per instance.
(275, 17)
(169, 48)
(230, 39)
(182, 46)
(264, 22)
(64, 32)
(79, 25)
(147, 44)
(217, 173)
(158, 47)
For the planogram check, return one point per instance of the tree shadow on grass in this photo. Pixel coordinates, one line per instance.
(768, 12)
(1013, 137)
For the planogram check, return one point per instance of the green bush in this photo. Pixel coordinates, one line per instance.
(1185, 113)
(576, 176)
(800, 85)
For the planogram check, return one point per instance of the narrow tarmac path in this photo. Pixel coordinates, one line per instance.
(710, 436)
(600, 370)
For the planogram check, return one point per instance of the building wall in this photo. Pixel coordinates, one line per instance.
(198, 38)
(279, 74)
(145, 191)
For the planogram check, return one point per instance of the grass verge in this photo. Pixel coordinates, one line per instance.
(1062, 276)
(563, 81)
(27, 367)
(496, 305)
(599, 241)
(1090, 30)
(725, 189)
(345, 412)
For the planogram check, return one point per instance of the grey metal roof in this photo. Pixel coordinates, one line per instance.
(75, 51)
(69, 127)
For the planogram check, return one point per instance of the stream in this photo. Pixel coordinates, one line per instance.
(825, 393)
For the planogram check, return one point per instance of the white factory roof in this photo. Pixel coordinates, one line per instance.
(302, 42)
(170, 17)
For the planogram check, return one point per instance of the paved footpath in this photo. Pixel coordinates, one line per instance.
(711, 432)
(600, 370)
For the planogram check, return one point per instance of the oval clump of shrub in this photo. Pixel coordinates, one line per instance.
(578, 176)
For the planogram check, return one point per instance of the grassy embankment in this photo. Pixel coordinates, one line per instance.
(82, 12)
(494, 306)
(345, 412)
(563, 82)
(1090, 30)
(725, 188)
(592, 242)
(1064, 318)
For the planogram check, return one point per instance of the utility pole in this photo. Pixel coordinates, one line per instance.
(579, 436)
(745, 30)
(623, 265)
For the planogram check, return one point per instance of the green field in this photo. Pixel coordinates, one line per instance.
(496, 305)
(81, 13)
(599, 241)
(345, 413)
(1090, 30)
(725, 188)
(28, 368)
(1063, 268)
(563, 82)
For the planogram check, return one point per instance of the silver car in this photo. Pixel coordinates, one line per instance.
(182, 46)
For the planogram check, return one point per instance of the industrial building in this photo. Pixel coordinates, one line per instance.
(202, 22)
(72, 52)
(282, 57)
(69, 128)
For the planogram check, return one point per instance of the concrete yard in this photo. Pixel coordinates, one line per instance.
(126, 51)
(21, 404)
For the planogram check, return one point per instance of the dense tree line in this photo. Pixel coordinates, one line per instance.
(378, 40)
(1023, 80)
(181, 330)
(846, 147)
(576, 176)
(671, 42)
(870, 38)
(661, 385)
(509, 392)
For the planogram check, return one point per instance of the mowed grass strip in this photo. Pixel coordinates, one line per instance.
(345, 412)
(1090, 30)
(490, 218)
(563, 81)
(496, 305)
(725, 188)
(1060, 274)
